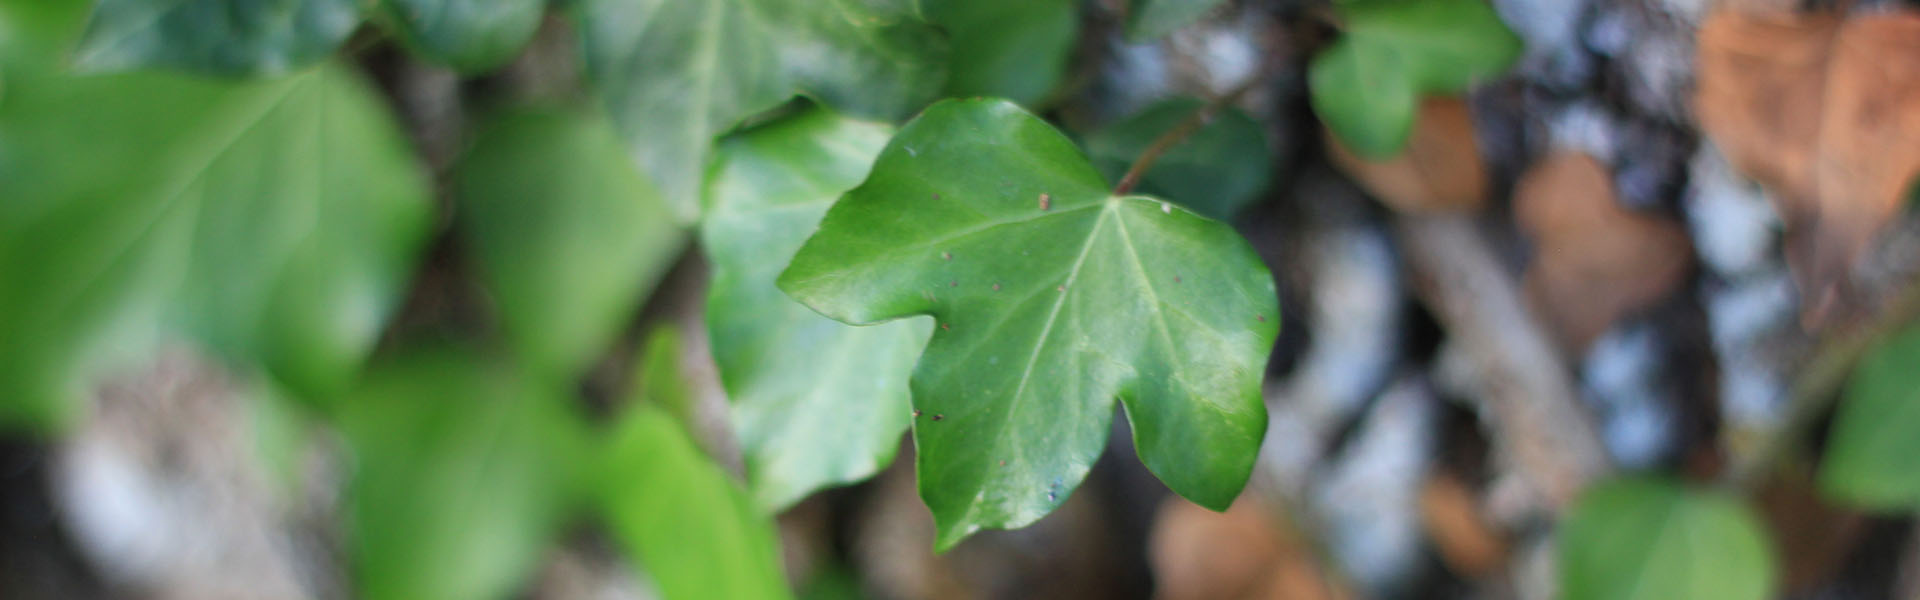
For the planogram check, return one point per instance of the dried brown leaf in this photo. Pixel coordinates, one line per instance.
(1453, 521)
(1595, 261)
(1824, 112)
(1198, 554)
(1440, 171)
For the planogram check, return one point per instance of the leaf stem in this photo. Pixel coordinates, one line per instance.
(1200, 117)
(1817, 387)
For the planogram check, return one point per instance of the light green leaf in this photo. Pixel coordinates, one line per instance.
(1014, 49)
(815, 402)
(469, 35)
(1053, 298)
(276, 222)
(463, 472)
(1873, 455)
(568, 235)
(683, 519)
(1367, 85)
(675, 74)
(1150, 19)
(1217, 171)
(225, 37)
(1645, 539)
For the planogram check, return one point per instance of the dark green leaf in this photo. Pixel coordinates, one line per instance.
(226, 37)
(274, 221)
(1635, 539)
(1367, 85)
(1014, 49)
(688, 524)
(469, 35)
(463, 474)
(1053, 298)
(1149, 19)
(1217, 171)
(1873, 458)
(569, 236)
(815, 402)
(675, 75)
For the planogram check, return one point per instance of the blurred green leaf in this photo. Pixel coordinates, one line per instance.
(1641, 539)
(815, 402)
(463, 473)
(1367, 85)
(1873, 455)
(675, 75)
(224, 37)
(1150, 19)
(569, 237)
(685, 521)
(275, 221)
(1014, 49)
(1217, 171)
(469, 35)
(1053, 298)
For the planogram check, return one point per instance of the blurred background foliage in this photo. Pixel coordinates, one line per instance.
(448, 299)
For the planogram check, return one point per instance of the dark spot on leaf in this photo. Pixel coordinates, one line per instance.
(996, 287)
(1046, 201)
(939, 417)
(1176, 279)
(946, 256)
(1051, 498)
(943, 326)
(1262, 318)
(936, 196)
(1060, 288)
(955, 283)
(1003, 463)
(916, 413)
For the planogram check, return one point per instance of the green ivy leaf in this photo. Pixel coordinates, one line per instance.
(1873, 456)
(568, 235)
(1150, 19)
(1053, 298)
(676, 74)
(1367, 85)
(463, 473)
(1217, 171)
(1632, 539)
(1014, 49)
(815, 402)
(472, 36)
(274, 221)
(224, 37)
(684, 520)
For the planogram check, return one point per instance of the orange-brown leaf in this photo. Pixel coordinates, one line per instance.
(1440, 171)
(1594, 260)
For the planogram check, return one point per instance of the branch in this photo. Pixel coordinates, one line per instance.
(1528, 391)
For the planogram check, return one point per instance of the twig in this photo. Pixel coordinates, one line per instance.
(1179, 133)
(1528, 389)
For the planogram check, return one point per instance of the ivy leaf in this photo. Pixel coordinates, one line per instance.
(1873, 458)
(568, 235)
(1014, 49)
(1367, 85)
(1217, 171)
(1651, 539)
(467, 35)
(815, 402)
(684, 519)
(1150, 19)
(675, 75)
(1053, 298)
(274, 221)
(222, 37)
(463, 474)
